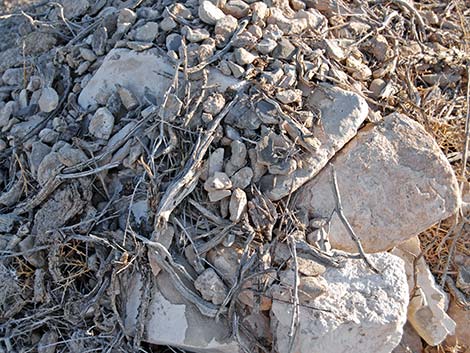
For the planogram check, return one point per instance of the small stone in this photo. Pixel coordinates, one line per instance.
(211, 286)
(379, 47)
(128, 99)
(239, 152)
(272, 31)
(256, 31)
(376, 87)
(242, 179)
(48, 136)
(237, 206)
(333, 50)
(98, 42)
(102, 124)
(173, 42)
(49, 100)
(236, 8)
(168, 24)
(286, 167)
(196, 35)
(70, 156)
(48, 168)
(34, 83)
(179, 10)
(87, 54)
(125, 20)
(266, 46)
(3, 145)
(284, 50)
(82, 68)
(243, 56)
(237, 70)
(214, 104)
(216, 161)
(219, 181)
(218, 195)
(259, 11)
(226, 26)
(38, 151)
(289, 96)
(13, 77)
(6, 113)
(147, 32)
(75, 8)
(209, 13)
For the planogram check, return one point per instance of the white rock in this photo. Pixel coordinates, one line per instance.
(197, 35)
(427, 309)
(173, 321)
(342, 113)
(219, 181)
(218, 195)
(211, 286)
(216, 161)
(259, 11)
(394, 181)
(237, 206)
(243, 56)
(48, 100)
(266, 45)
(126, 19)
(239, 153)
(6, 112)
(225, 27)
(101, 124)
(236, 8)
(357, 311)
(209, 13)
(139, 72)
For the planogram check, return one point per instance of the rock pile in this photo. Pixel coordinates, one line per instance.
(167, 174)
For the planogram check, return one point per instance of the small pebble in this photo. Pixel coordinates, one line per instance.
(49, 100)
(101, 124)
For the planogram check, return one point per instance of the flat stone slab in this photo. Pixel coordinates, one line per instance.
(359, 310)
(394, 182)
(173, 321)
(341, 113)
(140, 72)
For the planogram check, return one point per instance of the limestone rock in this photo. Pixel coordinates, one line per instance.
(394, 183)
(427, 309)
(102, 123)
(342, 113)
(333, 322)
(211, 286)
(209, 13)
(173, 321)
(138, 72)
(48, 100)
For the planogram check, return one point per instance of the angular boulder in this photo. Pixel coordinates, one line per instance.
(394, 182)
(358, 310)
(149, 72)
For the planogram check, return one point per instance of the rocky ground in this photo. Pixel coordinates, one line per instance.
(219, 176)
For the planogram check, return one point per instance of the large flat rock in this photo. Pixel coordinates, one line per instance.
(341, 113)
(173, 321)
(148, 71)
(359, 310)
(394, 183)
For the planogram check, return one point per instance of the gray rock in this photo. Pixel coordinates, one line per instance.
(128, 99)
(13, 77)
(75, 8)
(225, 27)
(243, 56)
(394, 181)
(259, 11)
(216, 161)
(266, 46)
(237, 70)
(48, 168)
(173, 42)
(218, 195)
(101, 124)
(237, 206)
(214, 104)
(183, 325)
(6, 113)
(342, 113)
(211, 286)
(125, 20)
(330, 316)
(87, 54)
(99, 39)
(146, 33)
(209, 13)
(196, 35)
(49, 100)
(239, 153)
(48, 136)
(20, 130)
(289, 96)
(236, 8)
(168, 24)
(70, 156)
(3, 145)
(284, 50)
(242, 179)
(142, 72)
(38, 151)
